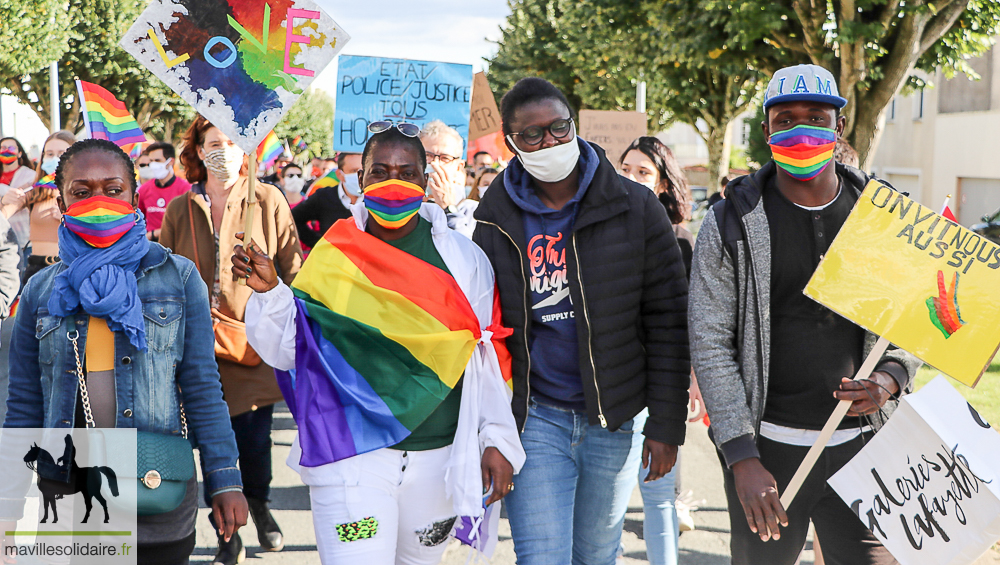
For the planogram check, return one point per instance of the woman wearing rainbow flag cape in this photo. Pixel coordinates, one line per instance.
(394, 376)
(118, 335)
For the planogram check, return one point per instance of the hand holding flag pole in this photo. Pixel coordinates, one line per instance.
(251, 206)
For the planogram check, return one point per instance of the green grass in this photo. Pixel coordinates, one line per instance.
(985, 398)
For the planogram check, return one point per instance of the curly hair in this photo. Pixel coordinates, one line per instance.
(672, 188)
(526, 91)
(86, 145)
(194, 167)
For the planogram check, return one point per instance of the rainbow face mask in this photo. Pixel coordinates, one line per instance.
(99, 220)
(8, 156)
(803, 151)
(393, 202)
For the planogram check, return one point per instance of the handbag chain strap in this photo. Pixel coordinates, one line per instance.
(85, 396)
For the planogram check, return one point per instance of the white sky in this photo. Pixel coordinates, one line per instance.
(454, 31)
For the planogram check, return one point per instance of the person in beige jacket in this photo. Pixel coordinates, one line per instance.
(198, 225)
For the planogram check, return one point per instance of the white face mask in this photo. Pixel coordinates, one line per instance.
(49, 165)
(293, 185)
(552, 164)
(145, 173)
(159, 171)
(225, 163)
(351, 184)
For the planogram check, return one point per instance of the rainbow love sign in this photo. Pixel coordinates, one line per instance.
(240, 63)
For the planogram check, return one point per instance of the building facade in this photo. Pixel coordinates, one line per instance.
(943, 140)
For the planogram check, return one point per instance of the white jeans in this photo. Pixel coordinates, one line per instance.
(387, 507)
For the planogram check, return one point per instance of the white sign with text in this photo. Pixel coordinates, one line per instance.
(928, 484)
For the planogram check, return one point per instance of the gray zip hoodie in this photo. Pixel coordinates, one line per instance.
(730, 320)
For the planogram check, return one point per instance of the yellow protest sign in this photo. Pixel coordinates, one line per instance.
(927, 284)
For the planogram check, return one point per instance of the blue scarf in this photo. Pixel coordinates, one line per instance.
(102, 281)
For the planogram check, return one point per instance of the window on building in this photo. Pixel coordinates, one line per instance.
(918, 105)
(891, 116)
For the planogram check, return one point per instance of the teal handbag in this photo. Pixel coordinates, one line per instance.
(164, 463)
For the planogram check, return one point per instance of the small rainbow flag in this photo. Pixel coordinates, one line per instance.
(269, 150)
(100, 221)
(106, 117)
(299, 142)
(48, 181)
(382, 338)
(329, 179)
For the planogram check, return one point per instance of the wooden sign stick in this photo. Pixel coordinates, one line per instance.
(251, 205)
(831, 426)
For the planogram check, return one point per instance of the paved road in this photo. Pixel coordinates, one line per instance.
(707, 545)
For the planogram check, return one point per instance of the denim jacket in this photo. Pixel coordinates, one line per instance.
(180, 352)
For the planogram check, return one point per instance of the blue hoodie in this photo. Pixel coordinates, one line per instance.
(554, 345)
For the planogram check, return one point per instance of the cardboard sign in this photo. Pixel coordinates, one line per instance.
(485, 114)
(927, 284)
(370, 89)
(240, 65)
(613, 131)
(928, 484)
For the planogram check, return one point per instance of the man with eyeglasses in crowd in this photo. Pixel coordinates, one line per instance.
(591, 280)
(446, 176)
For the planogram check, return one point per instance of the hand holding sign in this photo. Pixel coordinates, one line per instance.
(886, 272)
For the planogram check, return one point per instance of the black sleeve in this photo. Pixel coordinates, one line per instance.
(664, 321)
(307, 211)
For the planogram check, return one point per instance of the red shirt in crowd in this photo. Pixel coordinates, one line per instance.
(153, 199)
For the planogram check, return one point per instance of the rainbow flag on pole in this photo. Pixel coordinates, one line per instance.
(106, 117)
(382, 338)
(329, 179)
(269, 150)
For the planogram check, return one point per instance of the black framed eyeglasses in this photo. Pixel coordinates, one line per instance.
(533, 135)
(444, 158)
(407, 129)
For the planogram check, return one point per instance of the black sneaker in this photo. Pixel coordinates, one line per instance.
(268, 532)
(231, 552)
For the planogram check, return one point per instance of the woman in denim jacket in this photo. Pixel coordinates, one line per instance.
(149, 311)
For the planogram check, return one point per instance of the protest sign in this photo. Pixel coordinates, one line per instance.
(485, 117)
(613, 131)
(928, 484)
(370, 89)
(241, 65)
(926, 284)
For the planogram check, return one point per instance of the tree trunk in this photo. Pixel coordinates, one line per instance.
(718, 142)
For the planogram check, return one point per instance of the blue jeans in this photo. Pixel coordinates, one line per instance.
(571, 495)
(660, 528)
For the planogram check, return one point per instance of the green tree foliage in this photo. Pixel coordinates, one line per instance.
(312, 118)
(598, 51)
(86, 43)
(758, 152)
(871, 46)
(34, 32)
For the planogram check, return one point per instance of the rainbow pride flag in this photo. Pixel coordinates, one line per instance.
(106, 117)
(329, 179)
(299, 142)
(382, 338)
(48, 181)
(269, 150)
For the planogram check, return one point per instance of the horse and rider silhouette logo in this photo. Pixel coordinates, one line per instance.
(58, 478)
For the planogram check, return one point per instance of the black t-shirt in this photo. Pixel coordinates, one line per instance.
(812, 348)
(325, 207)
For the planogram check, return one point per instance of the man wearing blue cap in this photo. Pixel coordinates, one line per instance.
(771, 363)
